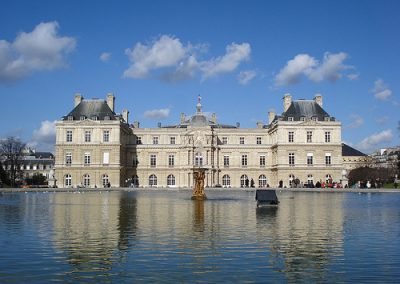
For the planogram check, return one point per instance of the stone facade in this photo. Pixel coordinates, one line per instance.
(301, 145)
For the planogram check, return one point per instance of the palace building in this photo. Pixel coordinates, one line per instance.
(96, 147)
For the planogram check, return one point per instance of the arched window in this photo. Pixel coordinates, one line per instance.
(171, 180)
(153, 180)
(68, 180)
(328, 178)
(244, 181)
(226, 181)
(86, 180)
(135, 181)
(291, 180)
(262, 181)
(198, 159)
(105, 180)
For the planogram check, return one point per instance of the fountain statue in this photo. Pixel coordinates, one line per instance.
(198, 189)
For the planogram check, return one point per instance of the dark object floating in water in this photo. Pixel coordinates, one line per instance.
(266, 197)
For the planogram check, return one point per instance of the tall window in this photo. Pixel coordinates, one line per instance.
(226, 181)
(106, 136)
(69, 136)
(309, 136)
(135, 161)
(172, 140)
(262, 161)
(310, 179)
(86, 180)
(327, 136)
(155, 140)
(328, 160)
(171, 180)
(153, 161)
(88, 136)
(152, 180)
(328, 178)
(68, 159)
(138, 140)
(291, 137)
(244, 160)
(171, 160)
(68, 180)
(226, 161)
(291, 159)
(224, 140)
(198, 159)
(262, 181)
(105, 180)
(258, 139)
(241, 140)
(309, 159)
(135, 181)
(87, 159)
(244, 181)
(106, 158)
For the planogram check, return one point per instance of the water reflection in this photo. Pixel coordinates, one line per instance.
(165, 236)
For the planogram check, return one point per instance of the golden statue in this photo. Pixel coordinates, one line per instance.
(198, 189)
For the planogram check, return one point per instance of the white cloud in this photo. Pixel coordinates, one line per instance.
(305, 65)
(235, 54)
(179, 61)
(105, 56)
(382, 120)
(165, 52)
(41, 49)
(44, 138)
(381, 90)
(353, 76)
(245, 77)
(356, 122)
(157, 113)
(290, 74)
(371, 143)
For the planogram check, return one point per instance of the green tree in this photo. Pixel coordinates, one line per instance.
(11, 153)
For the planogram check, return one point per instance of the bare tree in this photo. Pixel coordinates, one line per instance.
(11, 153)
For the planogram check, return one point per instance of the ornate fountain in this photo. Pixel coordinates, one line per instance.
(198, 189)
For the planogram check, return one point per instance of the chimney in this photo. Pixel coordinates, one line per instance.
(260, 124)
(318, 99)
(78, 99)
(214, 118)
(271, 116)
(182, 117)
(287, 101)
(125, 115)
(237, 124)
(136, 124)
(159, 125)
(111, 101)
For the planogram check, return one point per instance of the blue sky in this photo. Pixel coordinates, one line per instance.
(240, 56)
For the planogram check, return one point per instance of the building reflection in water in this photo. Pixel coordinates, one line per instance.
(90, 227)
(96, 230)
(303, 233)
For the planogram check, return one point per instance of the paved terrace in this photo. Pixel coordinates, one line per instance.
(332, 190)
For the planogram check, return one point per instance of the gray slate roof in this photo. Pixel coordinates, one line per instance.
(91, 108)
(350, 151)
(305, 108)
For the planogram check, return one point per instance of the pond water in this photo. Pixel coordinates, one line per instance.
(164, 236)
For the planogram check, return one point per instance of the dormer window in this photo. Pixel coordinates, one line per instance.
(95, 117)
(314, 118)
(70, 117)
(106, 117)
(302, 118)
(290, 118)
(327, 118)
(83, 117)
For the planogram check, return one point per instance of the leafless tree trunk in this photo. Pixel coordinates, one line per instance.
(11, 153)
